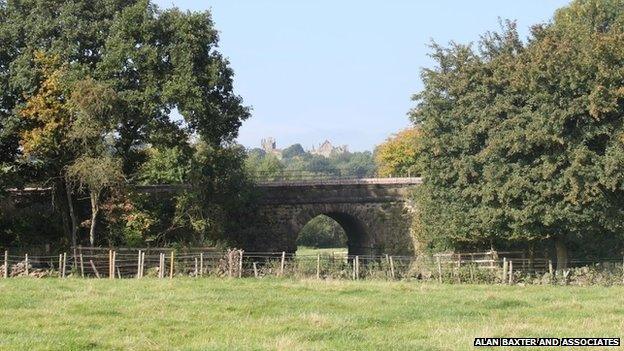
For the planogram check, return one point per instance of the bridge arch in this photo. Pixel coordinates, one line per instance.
(359, 239)
(375, 214)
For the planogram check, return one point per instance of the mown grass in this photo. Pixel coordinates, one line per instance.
(313, 251)
(273, 314)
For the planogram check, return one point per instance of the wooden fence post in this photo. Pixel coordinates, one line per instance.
(392, 267)
(357, 267)
(171, 266)
(458, 267)
(82, 274)
(255, 267)
(97, 274)
(196, 274)
(318, 266)
(75, 258)
(160, 265)
(114, 262)
(201, 264)
(353, 271)
(230, 253)
(282, 264)
(111, 273)
(164, 265)
(26, 259)
(142, 264)
(504, 276)
(6, 264)
(138, 264)
(60, 266)
(240, 264)
(510, 272)
(622, 267)
(64, 263)
(439, 269)
(138, 275)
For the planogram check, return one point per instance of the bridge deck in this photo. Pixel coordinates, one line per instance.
(354, 181)
(157, 188)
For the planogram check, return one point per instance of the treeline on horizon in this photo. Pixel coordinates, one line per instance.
(519, 141)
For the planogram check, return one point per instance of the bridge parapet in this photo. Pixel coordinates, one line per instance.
(371, 190)
(343, 181)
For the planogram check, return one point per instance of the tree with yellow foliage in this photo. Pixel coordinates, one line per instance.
(47, 117)
(67, 122)
(45, 140)
(397, 156)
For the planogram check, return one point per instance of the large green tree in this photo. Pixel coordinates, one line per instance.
(156, 61)
(522, 142)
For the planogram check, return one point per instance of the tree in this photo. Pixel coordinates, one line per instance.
(522, 142)
(222, 192)
(45, 143)
(96, 174)
(293, 151)
(264, 168)
(320, 165)
(398, 154)
(357, 164)
(166, 166)
(156, 61)
(96, 168)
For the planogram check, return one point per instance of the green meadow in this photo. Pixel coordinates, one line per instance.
(274, 314)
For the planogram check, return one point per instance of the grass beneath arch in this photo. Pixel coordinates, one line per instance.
(273, 314)
(313, 251)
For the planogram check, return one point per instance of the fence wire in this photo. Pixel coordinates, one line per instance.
(123, 263)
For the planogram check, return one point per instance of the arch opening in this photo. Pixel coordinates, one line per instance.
(334, 232)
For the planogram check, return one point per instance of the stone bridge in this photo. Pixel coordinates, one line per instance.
(376, 214)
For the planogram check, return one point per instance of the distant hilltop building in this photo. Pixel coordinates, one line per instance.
(327, 149)
(269, 146)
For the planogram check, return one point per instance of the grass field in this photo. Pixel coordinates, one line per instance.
(312, 251)
(249, 314)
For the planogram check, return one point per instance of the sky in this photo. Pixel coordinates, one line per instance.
(343, 70)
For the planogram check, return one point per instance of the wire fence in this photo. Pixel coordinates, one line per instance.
(475, 267)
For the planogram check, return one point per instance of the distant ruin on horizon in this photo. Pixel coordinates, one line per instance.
(325, 149)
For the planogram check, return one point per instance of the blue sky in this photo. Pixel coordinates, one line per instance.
(343, 70)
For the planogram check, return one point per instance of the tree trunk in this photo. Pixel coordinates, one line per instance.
(60, 205)
(72, 215)
(94, 212)
(531, 258)
(562, 254)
